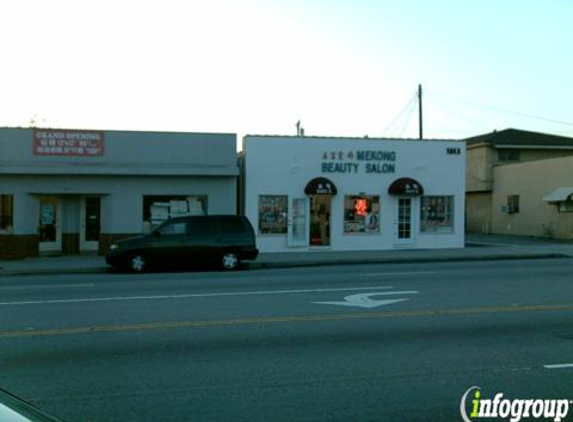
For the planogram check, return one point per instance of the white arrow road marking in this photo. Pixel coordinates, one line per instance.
(559, 366)
(364, 300)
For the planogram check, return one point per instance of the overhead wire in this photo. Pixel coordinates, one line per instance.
(396, 119)
(516, 113)
(436, 101)
(408, 119)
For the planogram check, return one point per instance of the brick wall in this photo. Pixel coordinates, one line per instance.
(18, 247)
(71, 243)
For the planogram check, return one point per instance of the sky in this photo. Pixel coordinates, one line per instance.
(340, 67)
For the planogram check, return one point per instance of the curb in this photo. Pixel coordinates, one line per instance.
(299, 264)
(54, 271)
(294, 264)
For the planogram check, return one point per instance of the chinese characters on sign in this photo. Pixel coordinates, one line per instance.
(68, 142)
(358, 161)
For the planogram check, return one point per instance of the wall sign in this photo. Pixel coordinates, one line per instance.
(359, 161)
(65, 142)
(406, 186)
(320, 186)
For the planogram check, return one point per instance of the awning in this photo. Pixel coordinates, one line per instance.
(320, 186)
(559, 195)
(406, 186)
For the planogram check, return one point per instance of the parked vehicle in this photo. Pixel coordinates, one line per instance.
(14, 409)
(223, 239)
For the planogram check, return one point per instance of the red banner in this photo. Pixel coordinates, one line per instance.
(85, 143)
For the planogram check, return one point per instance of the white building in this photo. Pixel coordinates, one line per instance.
(306, 193)
(70, 191)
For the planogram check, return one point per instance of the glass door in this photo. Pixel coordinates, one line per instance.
(320, 220)
(49, 227)
(405, 223)
(404, 218)
(298, 222)
(90, 224)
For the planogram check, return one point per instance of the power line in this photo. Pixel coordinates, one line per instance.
(409, 105)
(516, 113)
(407, 120)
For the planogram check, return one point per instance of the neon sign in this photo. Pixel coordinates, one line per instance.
(361, 207)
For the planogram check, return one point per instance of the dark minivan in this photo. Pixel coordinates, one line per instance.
(223, 239)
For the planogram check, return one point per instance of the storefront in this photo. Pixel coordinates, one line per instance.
(306, 193)
(74, 191)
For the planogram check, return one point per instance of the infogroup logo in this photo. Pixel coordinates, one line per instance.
(515, 410)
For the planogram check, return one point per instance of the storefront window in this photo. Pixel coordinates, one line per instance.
(6, 213)
(157, 209)
(273, 214)
(436, 214)
(362, 214)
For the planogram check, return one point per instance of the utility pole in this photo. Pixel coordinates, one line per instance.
(420, 111)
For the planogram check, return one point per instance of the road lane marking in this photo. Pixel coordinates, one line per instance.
(364, 300)
(559, 366)
(523, 369)
(191, 295)
(392, 274)
(280, 319)
(47, 286)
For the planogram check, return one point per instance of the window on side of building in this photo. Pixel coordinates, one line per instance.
(361, 214)
(508, 154)
(6, 214)
(437, 214)
(273, 213)
(512, 204)
(159, 208)
(565, 206)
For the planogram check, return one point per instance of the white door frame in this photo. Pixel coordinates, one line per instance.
(298, 226)
(87, 245)
(55, 213)
(404, 242)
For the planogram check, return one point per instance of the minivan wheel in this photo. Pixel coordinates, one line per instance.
(137, 263)
(230, 261)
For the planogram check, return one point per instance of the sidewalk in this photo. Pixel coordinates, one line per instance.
(478, 248)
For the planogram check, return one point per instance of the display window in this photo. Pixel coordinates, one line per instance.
(6, 213)
(437, 214)
(361, 214)
(157, 209)
(273, 212)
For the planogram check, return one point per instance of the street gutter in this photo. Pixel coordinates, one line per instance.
(303, 263)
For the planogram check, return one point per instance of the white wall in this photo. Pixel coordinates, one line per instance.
(284, 165)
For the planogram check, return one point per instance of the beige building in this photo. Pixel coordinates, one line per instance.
(534, 198)
(487, 180)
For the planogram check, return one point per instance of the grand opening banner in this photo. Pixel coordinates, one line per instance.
(86, 143)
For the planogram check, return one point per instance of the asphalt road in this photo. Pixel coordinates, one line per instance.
(341, 343)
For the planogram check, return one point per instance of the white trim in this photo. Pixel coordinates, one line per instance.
(55, 246)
